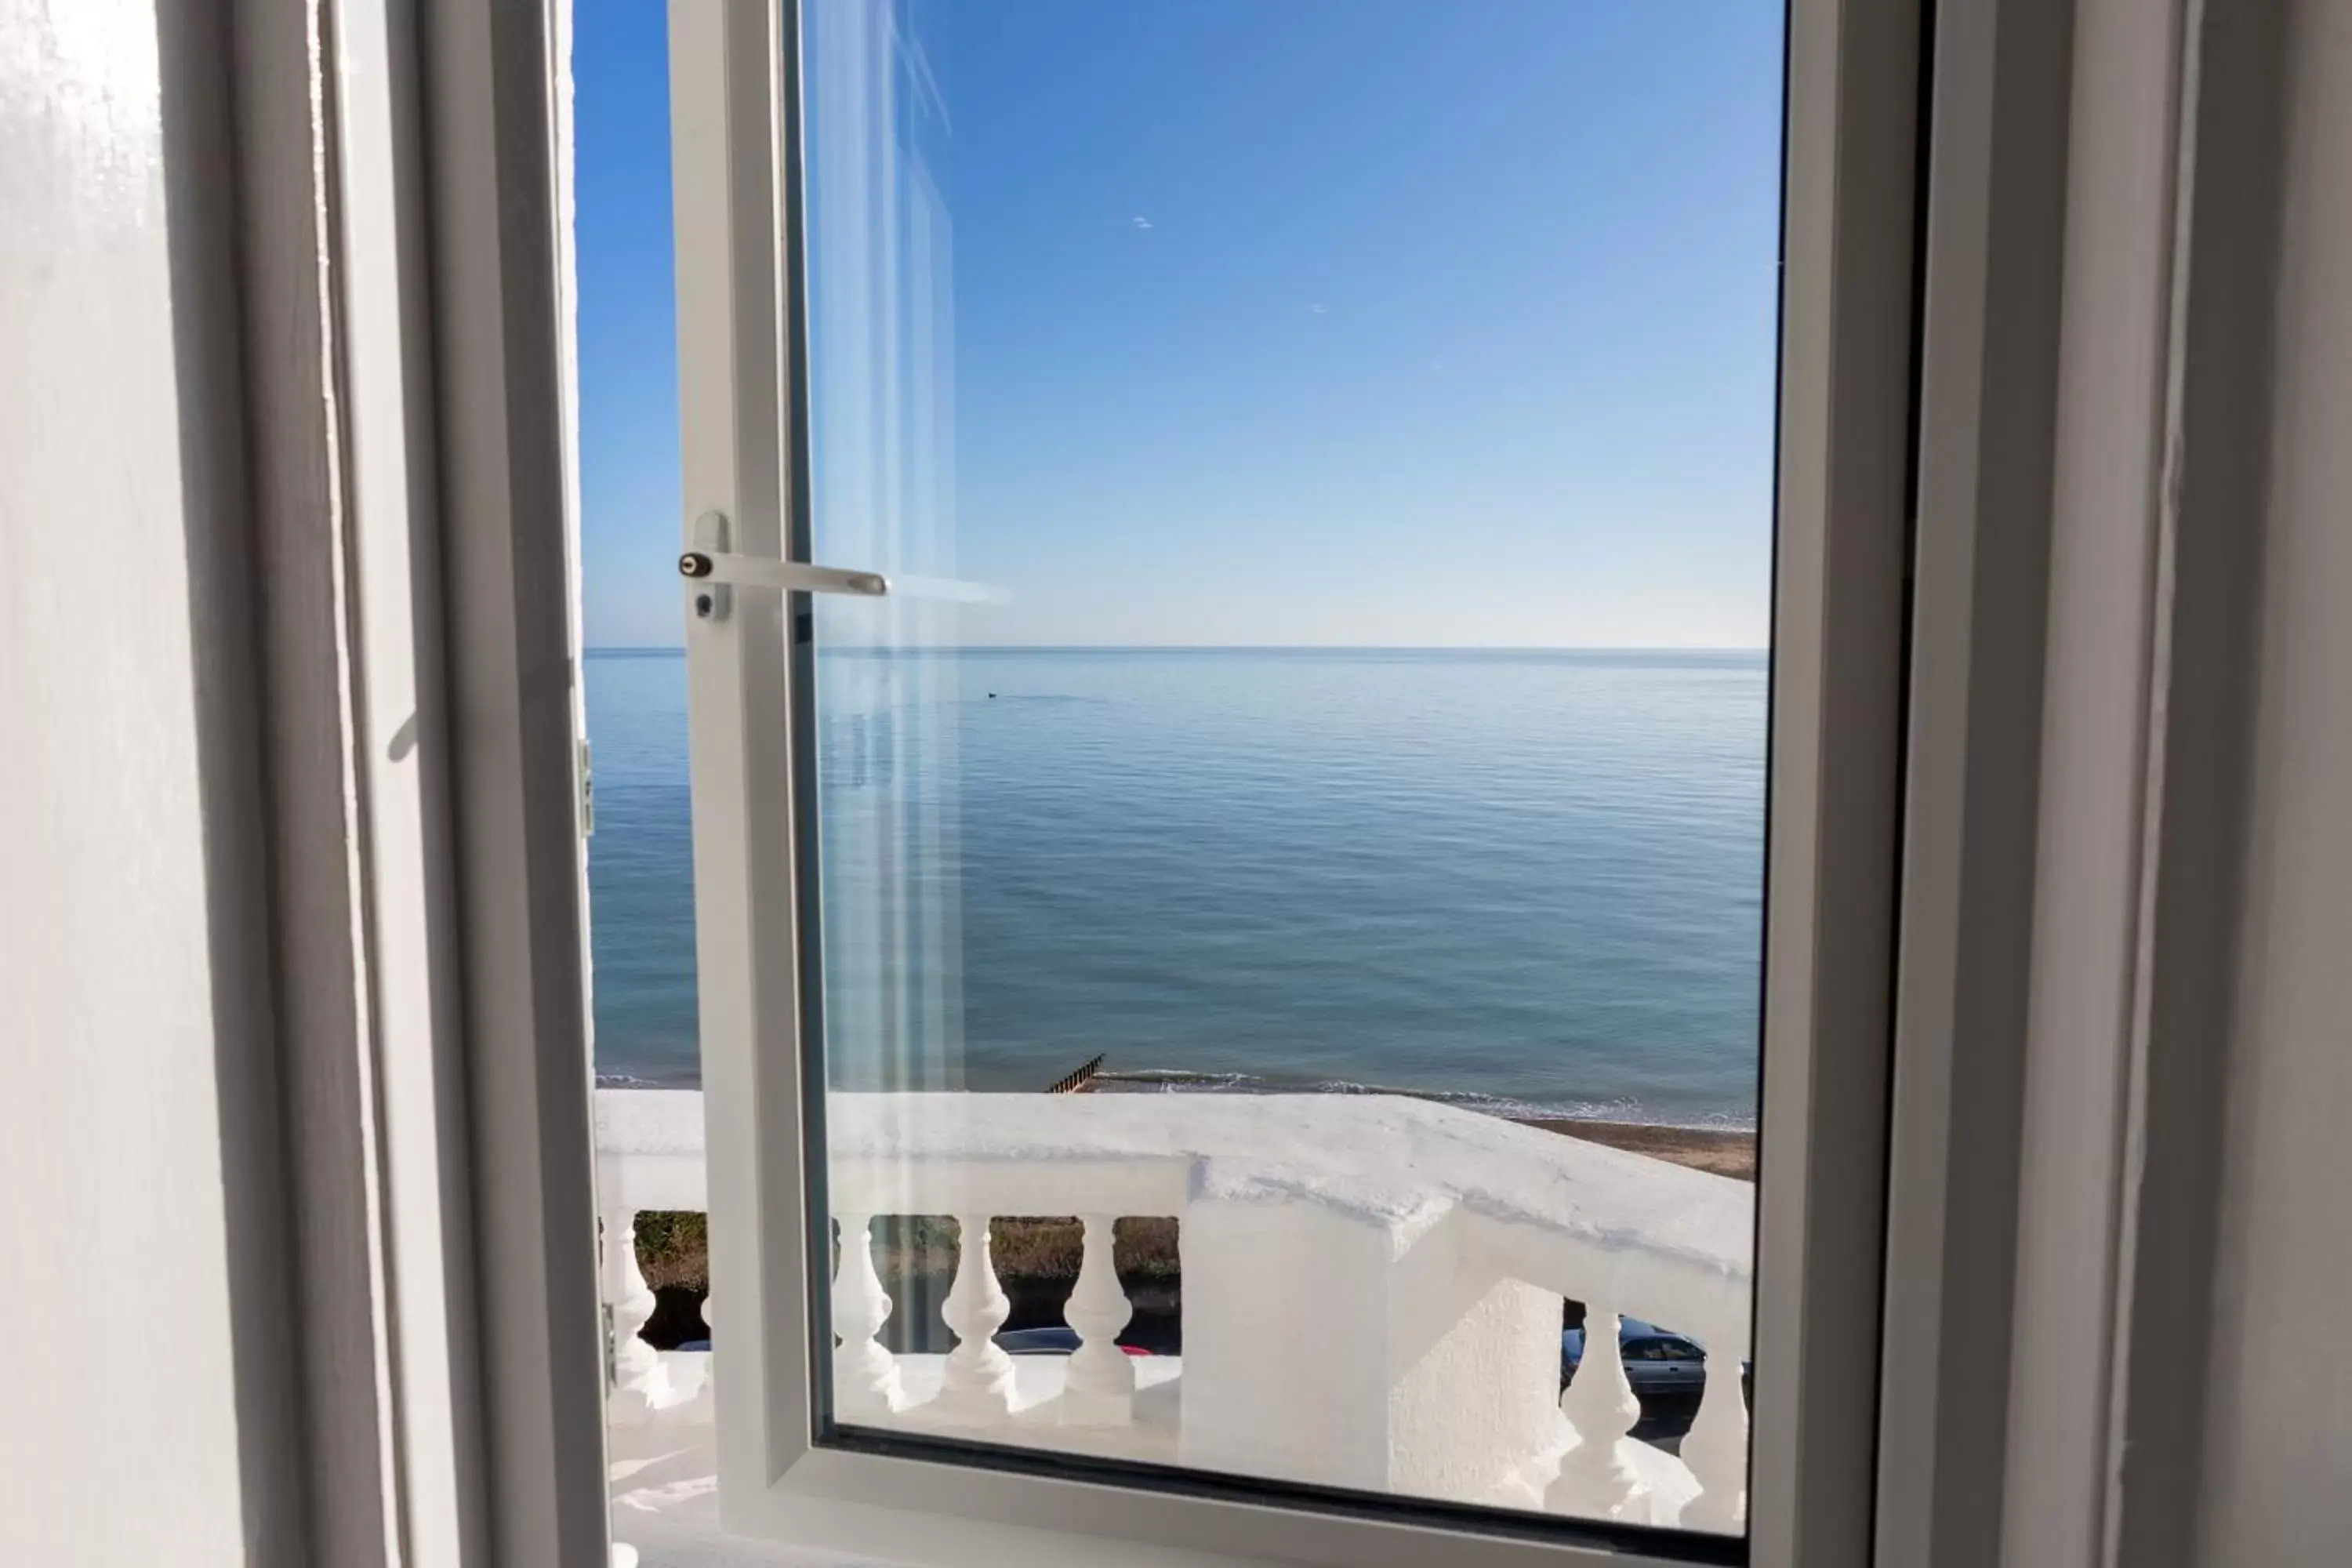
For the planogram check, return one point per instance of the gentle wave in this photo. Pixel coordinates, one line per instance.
(685, 1078)
(1180, 1080)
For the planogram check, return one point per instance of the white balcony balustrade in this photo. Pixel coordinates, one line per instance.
(1371, 1290)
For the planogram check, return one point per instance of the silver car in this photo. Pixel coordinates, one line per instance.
(1657, 1361)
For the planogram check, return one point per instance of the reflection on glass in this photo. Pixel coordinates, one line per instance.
(1291, 922)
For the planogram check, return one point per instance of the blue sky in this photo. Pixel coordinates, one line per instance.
(1394, 323)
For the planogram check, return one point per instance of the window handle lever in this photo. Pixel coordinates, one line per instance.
(712, 575)
(789, 576)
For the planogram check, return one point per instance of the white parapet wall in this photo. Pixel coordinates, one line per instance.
(1372, 1284)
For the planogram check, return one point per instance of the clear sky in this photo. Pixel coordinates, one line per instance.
(1389, 322)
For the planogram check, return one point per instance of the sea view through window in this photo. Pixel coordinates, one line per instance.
(1283, 863)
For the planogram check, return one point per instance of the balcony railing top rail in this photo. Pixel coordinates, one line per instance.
(1664, 1242)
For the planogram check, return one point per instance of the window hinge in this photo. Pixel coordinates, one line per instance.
(587, 793)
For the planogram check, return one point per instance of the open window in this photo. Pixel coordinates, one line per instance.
(1051, 927)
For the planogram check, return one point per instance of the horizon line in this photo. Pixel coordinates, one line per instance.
(1255, 647)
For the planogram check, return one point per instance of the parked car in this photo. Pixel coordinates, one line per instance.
(1657, 1363)
(1058, 1340)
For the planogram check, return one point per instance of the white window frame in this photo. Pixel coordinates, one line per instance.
(365, 240)
(1836, 769)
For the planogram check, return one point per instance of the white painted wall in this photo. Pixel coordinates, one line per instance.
(114, 1227)
(2278, 1476)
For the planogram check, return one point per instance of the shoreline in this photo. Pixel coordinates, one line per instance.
(1126, 1081)
(1718, 1150)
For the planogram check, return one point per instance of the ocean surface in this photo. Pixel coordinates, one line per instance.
(1527, 881)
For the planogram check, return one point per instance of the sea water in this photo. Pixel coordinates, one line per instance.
(1530, 881)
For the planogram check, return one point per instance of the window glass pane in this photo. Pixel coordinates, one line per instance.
(1328, 447)
(1288, 851)
(1305, 802)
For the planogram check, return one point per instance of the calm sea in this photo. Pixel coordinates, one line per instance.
(1530, 881)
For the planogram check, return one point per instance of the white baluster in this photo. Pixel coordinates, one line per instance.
(865, 1374)
(1099, 1387)
(1716, 1449)
(640, 1382)
(976, 1383)
(1595, 1479)
(701, 1402)
(611, 1281)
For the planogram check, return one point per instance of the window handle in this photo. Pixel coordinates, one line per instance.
(713, 574)
(789, 576)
